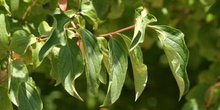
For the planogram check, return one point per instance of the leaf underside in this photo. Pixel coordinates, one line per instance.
(177, 54)
(139, 68)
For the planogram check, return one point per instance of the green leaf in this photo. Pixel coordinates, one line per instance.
(103, 44)
(142, 19)
(101, 8)
(139, 68)
(5, 5)
(14, 5)
(93, 59)
(44, 29)
(177, 54)
(17, 74)
(4, 36)
(22, 90)
(28, 96)
(80, 20)
(5, 103)
(35, 53)
(89, 12)
(70, 66)
(20, 41)
(54, 59)
(118, 62)
(57, 36)
(103, 78)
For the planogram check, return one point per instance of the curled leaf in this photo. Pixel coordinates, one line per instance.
(142, 19)
(118, 63)
(177, 54)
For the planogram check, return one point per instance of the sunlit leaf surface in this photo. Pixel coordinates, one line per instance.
(177, 55)
(118, 63)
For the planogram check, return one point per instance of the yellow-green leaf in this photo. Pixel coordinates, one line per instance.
(142, 19)
(20, 41)
(4, 36)
(139, 68)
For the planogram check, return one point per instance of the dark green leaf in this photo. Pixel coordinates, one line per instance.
(118, 63)
(5, 5)
(89, 11)
(4, 36)
(58, 35)
(70, 66)
(20, 41)
(101, 8)
(28, 96)
(142, 19)
(177, 54)
(93, 59)
(22, 90)
(139, 68)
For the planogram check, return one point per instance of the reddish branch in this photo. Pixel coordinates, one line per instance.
(101, 35)
(118, 31)
(3, 76)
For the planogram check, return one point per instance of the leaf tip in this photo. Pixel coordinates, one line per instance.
(137, 95)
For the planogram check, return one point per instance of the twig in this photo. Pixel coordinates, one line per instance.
(118, 31)
(3, 76)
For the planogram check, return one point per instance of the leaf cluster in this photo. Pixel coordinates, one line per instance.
(33, 31)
